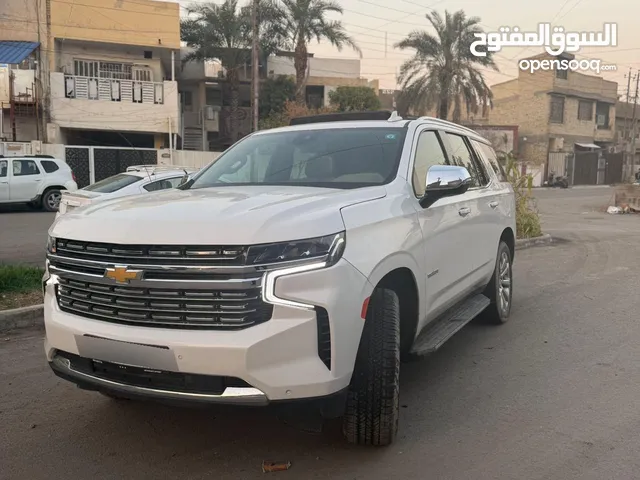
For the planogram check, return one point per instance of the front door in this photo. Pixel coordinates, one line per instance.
(25, 181)
(445, 245)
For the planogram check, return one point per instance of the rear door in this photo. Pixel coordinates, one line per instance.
(26, 180)
(4, 181)
(477, 229)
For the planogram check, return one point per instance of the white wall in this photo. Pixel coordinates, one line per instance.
(318, 67)
(187, 158)
(108, 115)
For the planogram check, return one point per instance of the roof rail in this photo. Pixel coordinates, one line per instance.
(449, 124)
(342, 117)
(28, 156)
(157, 168)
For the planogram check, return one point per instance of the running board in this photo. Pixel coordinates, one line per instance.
(434, 335)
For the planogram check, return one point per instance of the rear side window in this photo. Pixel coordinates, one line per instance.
(113, 184)
(3, 168)
(49, 166)
(462, 156)
(163, 184)
(489, 156)
(23, 168)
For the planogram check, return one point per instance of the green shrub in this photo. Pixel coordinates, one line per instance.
(527, 218)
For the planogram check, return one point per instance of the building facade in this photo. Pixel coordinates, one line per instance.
(556, 112)
(107, 70)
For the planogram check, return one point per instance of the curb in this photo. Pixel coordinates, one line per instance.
(25, 317)
(523, 243)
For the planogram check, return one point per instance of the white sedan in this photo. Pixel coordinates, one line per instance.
(135, 181)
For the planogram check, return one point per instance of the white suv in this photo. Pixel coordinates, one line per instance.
(36, 180)
(301, 266)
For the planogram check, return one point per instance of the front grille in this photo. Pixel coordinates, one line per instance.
(203, 255)
(164, 307)
(150, 378)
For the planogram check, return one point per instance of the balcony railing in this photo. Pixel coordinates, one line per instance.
(113, 89)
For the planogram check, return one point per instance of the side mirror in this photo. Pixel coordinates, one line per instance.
(445, 181)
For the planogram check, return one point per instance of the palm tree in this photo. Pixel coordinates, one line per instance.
(443, 71)
(223, 32)
(302, 21)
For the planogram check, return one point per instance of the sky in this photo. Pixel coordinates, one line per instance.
(377, 25)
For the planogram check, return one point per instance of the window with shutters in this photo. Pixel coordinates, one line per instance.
(585, 110)
(557, 110)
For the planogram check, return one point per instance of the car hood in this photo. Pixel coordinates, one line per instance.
(208, 216)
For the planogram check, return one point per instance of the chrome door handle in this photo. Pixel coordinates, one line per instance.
(37, 180)
(464, 211)
(4, 182)
(493, 204)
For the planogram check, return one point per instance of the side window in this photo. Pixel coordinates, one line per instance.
(489, 156)
(462, 156)
(49, 166)
(429, 152)
(3, 168)
(22, 168)
(163, 184)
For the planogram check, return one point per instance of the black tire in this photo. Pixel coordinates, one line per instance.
(51, 200)
(500, 287)
(372, 410)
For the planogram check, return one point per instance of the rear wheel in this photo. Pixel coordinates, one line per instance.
(372, 409)
(500, 288)
(51, 200)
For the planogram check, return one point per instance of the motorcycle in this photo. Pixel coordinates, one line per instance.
(557, 181)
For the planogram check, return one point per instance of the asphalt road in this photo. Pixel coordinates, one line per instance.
(23, 234)
(553, 394)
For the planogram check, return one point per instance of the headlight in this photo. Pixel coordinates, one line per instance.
(328, 248)
(51, 245)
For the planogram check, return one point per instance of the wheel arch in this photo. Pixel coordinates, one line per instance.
(509, 238)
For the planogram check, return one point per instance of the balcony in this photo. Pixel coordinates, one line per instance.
(111, 103)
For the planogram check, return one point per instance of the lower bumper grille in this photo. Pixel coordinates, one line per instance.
(148, 378)
(164, 307)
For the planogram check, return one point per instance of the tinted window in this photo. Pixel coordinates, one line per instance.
(335, 158)
(489, 156)
(112, 184)
(163, 184)
(462, 156)
(429, 152)
(3, 168)
(49, 166)
(22, 168)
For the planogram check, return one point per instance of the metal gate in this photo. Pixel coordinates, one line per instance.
(78, 159)
(585, 171)
(613, 168)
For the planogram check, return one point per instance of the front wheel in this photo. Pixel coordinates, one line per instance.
(51, 200)
(500, 287)
(372, 409)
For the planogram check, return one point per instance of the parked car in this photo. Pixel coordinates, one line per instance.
(36, 180)
(136, 180)
(301, 266)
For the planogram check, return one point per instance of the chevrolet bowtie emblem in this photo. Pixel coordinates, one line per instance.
(122, 274)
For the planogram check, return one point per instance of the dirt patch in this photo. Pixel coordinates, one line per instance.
(9, 300)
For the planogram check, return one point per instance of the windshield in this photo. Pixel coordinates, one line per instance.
(334, 158)
(111, 184)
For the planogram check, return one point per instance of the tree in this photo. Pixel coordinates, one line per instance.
(301, 21)
(274, 93)
(443, 71)
(354, 99)
(223, 32)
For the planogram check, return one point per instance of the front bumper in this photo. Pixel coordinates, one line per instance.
(278, 359)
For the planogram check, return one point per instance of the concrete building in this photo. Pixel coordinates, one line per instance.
(107, 69)
(323, 75)
(625, 130)
(556, 112)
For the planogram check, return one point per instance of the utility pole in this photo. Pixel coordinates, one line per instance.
(625, 136)
(12, 106)
(633, 123)
(255, 65)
